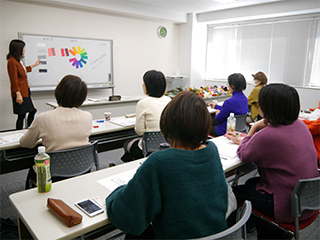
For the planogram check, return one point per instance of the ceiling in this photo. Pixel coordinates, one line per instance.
(189, 6)
(170, 10)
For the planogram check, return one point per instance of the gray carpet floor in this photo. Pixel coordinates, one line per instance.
(15, 182)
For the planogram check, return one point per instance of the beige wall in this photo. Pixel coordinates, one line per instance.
(137, 48)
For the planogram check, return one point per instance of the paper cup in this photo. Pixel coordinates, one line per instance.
(107, 116)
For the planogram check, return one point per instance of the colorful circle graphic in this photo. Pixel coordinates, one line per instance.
(80, 56)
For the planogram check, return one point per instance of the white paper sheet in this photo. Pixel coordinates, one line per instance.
(117, 180)
(123, 121)
(10, 138)
(227, 149)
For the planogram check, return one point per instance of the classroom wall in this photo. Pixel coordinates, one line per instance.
(137, 48)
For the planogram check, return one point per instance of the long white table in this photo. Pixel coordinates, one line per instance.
(36, 220)
(13, 157)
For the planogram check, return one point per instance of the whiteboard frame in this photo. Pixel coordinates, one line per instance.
(49, 89)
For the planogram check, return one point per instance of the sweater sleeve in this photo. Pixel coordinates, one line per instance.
(13, 75)
(29, 69)
(140, 197)
(224, 112)
(31, 137)
(250, 150)
(140, 127)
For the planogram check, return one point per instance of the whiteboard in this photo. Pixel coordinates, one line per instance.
(90, 59)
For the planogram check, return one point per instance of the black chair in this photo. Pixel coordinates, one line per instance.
(71, 162)
(151, 142)
(238, 230)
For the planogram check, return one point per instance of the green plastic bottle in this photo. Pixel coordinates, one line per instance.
(42, 161)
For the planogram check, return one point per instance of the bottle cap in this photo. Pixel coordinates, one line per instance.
(232, 114)
(41, 149)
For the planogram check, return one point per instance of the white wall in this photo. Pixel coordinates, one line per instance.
(137, 48)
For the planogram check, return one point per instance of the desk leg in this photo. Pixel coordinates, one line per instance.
(23, 231)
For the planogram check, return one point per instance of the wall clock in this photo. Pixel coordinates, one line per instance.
(162, 32)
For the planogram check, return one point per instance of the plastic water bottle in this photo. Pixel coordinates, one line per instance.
(231, 123)
(42, 161)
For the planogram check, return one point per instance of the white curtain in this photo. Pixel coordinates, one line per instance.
(287, 51)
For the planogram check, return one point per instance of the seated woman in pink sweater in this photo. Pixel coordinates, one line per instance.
(64, 127)
(281, 146)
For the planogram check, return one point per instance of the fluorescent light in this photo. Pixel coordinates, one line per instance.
(225, 1)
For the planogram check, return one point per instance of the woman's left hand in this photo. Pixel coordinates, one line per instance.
(36, 64)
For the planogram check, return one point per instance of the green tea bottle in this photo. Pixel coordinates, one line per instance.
(42, 161)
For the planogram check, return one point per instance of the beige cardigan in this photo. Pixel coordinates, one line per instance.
(61, 128)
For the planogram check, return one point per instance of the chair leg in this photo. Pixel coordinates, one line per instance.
(296, 228)
(236, 178)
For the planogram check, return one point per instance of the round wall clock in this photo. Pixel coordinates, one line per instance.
(162, 32)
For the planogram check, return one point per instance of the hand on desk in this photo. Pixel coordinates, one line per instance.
(234, 137)
(212, 105)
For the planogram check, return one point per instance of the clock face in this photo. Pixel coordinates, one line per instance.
(162, 32)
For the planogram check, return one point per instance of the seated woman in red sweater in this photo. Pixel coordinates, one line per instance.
(282, 148)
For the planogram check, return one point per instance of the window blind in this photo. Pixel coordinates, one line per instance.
(287, 51)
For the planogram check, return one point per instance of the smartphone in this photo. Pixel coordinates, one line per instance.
(89, 207)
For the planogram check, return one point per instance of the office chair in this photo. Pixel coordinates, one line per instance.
(238, 230)
(304, 196)
(241, 123)
(71, 162)
(151, 142)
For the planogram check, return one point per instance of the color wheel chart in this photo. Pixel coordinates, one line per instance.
(90, 59)
(83, 57)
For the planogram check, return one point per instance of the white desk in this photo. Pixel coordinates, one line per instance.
(97, 128)
(13, 157)
(42, 224)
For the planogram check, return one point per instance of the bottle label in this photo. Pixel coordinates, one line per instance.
(43, 174)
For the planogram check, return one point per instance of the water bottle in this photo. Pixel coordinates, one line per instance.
(231, 123)
(42, 161)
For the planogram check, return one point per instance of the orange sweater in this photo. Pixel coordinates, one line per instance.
(314, 127)
(18, 77)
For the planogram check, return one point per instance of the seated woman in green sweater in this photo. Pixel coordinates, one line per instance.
(181, 191)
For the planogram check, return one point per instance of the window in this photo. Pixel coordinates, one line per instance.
(288, 51)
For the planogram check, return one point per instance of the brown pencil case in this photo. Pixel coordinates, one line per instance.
(64, 212)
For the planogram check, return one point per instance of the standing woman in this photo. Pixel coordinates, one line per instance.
(20, 91)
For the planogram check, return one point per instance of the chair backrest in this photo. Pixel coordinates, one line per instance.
(238, 230)
(151, 142)
(75, 161)
(304, 196)
(241, 123)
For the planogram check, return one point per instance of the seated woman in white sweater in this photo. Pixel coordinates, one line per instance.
(66, 126)
(148, 112)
